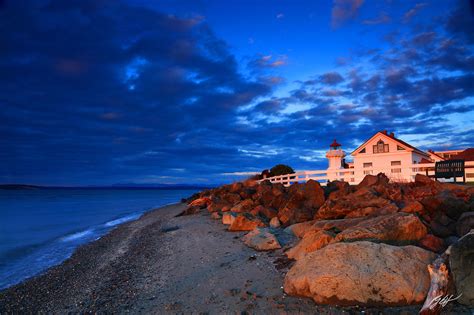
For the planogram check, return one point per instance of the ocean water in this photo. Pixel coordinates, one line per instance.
(41, 228)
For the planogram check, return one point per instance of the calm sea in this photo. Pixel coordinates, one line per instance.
(41, 228)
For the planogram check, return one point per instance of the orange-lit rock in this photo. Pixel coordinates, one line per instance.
(432, 243)
(362, 273)
(228, 218)
(313, 240)
(245, 222)
(394, 228)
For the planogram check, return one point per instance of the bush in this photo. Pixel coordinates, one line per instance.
(281, 169)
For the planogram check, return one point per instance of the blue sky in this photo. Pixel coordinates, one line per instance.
(102, 92)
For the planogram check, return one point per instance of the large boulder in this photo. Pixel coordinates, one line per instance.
(313, 240)
(196, 205)
(447, 203)
(421, 179)
(362, 273)
(261, 239)
(465, 223)
(373, 180)
(461, 261)
(399, 228)
(336, 226)
(243, 206)
(336, 189)
(228, 218)
(299, 229)
(432, 243)
(217, 206)
(231, 198)
(441, 225)
(303, 202)
(363, 202)
(245, 222)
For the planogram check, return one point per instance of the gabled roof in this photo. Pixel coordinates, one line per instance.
(392, 137)
(436, 154)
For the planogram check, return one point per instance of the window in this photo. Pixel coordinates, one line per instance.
(399, 148)
(381, 147)
(367, 165)
(396, 163)
(362, 151)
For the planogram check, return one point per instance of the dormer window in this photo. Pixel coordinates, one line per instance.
(381, 147)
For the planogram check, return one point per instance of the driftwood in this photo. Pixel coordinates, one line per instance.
(439, 287)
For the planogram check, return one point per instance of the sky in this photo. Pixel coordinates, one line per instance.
(100, 92)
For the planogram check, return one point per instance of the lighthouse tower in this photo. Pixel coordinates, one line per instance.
(335, 156)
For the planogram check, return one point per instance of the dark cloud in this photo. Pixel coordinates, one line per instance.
(383, 18)
(90, 94)
(343, 10)
(413, 11)
(331, 78)
(104, 92)
(460, 22)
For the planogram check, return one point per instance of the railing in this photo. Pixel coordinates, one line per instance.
(354, 176)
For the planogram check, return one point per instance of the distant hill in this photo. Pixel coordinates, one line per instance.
(115, 186)
(18, 186)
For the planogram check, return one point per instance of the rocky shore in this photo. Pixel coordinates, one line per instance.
(263, 248)
(376, 244)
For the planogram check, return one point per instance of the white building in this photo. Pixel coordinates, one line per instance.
(382, 153)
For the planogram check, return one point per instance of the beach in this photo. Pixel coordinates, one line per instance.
(163, 264)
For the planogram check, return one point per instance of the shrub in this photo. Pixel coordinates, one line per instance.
(281, 169)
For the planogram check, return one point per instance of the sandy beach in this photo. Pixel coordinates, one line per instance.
(166, 263)
(160, 263)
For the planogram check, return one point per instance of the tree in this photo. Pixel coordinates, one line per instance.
(281, 169)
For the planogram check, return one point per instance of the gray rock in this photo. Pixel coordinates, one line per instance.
(461, 261)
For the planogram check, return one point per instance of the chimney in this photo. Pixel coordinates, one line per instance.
(392, 135)
(384, 132)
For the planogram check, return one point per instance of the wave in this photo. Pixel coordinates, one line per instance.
(76, 236)
(122, 220)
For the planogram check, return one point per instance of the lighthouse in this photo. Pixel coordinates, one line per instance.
(335, 156)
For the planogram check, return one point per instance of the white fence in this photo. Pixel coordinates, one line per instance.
(354, 176)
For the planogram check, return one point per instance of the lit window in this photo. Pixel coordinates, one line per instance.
(380, 147)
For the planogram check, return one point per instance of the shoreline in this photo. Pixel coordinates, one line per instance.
(166, 263)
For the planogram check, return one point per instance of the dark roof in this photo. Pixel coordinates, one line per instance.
(335, 144)
(466, 155)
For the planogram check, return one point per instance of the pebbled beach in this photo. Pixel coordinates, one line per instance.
(163, 264)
